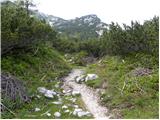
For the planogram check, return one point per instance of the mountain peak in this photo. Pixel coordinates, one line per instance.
(85, 27)
(90, 15)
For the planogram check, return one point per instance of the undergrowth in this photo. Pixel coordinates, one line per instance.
(133, 96)
(40, 67)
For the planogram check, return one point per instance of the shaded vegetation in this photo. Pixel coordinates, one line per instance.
(44, 67)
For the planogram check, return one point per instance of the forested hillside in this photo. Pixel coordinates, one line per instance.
(48, 74)
(83, 28)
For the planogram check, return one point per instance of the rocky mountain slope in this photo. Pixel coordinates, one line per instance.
(85, 27)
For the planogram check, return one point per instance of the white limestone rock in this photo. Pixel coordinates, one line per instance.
(56, 85)
(66, 91)
(82, 113)
(38, 96)
(75, 106)
(80, 79)
(48, 114)
(57, 114)
(63, 91)
(66, 111)
(57, 102)
(50, 93)
(76, 110)
(75, 93)
(91, 77)
(47, 93)
(37, 109)
(64, 107)
(42, 89)
(73, 100)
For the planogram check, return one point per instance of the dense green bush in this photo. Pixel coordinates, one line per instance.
(66, 45)
(135, 38)
(19, 29)
(118, 40)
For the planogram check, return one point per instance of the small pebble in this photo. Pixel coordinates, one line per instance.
(57, 102)
(64, 107)
(57, 114)
(73, 99)
(56, 86)
(75, 92)
(48, 114)
(66, 111)
(38, 96)
(37, 109)
(76, 106)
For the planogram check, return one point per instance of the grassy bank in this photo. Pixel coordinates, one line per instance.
(42, 66)
(128, 95)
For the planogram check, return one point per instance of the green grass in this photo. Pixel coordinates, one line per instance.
(94, 83)
(42, 69)
(139, 97)
(38, 69)
(76, 58)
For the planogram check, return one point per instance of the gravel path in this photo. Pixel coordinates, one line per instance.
(89, 96)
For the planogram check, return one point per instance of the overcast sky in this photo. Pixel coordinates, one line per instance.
(121, 11)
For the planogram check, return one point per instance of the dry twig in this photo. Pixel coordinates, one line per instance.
(9, 110)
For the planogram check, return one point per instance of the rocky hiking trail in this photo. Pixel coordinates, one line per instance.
(89, 96)
(68, 98)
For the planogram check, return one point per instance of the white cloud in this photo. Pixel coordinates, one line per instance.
(121, 11)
